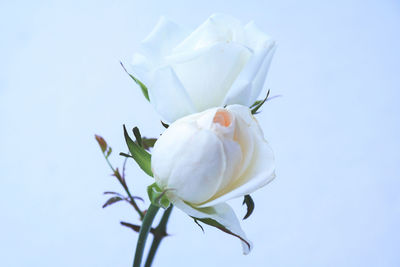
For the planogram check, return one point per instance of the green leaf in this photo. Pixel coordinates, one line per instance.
(137, 135)
(216, 224)
(141, 85)
(165, 125)
(141, 156)
(112, 201)
(250, 206)
(125, 155)
(255, 103)
(255, 107)
(102, 143)
(157, 196)
(198, 224)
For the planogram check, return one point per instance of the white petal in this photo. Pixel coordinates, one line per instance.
(217, 28)
(223, 214)
(232, 150)
(165, 36)
(241, 90)
(233, 154)
(255, 38)
(209, 74)
(168, 96)
(198, 169)
(159, 43)
(259, 81)
(259, 174)
(261, 166)
(167, 148)
(243, 121)
(248, 84)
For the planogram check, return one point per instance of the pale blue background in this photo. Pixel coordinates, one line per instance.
(335, 132)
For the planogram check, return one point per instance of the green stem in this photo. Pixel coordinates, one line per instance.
(159, 233)
(144, 232)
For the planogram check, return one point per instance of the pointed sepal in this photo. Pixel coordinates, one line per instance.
(157, 196)
(141, 156)
(250, 206)
(220, 216)
(136, 80)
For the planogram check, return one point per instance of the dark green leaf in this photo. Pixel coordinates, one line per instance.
(141, 85)
(125, 155)
(141, 156)
(165, 125)
(216, 224)
(137, 135)
(201, 227)
(258, 104)
(112, 201)
(102, 143)
(250, 206)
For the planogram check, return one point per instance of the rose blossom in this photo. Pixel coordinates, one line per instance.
(204, 159)
(222, 62)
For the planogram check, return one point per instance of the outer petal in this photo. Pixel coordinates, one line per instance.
(217, 28)
(168, 96)
(249, 83)
(223, 214)
(241, 92)
(261, 168)
(159, 43)
(259, 41)
(198, 169)
(165, 36)
(141, 68)
(255, 38)
(167, 148)
(208, 74)
(259, 174)
(259, 80)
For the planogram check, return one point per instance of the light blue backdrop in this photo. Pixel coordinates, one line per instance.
(335, 132)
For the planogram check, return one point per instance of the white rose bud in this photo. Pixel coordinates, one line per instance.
(205, 159)
(222, 62)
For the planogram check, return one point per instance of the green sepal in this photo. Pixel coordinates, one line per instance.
(258, 104)
(158, 196)
(138, 136)
(250, 206)
(216, 224)
(141, 156)
(141, 85)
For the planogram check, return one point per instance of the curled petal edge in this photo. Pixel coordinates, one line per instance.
(220, 216)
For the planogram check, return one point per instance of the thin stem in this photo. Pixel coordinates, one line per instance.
(135, 206)
(159, 233)
(144, 232)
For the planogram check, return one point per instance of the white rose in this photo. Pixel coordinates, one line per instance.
(205, 159)
(221, 63)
